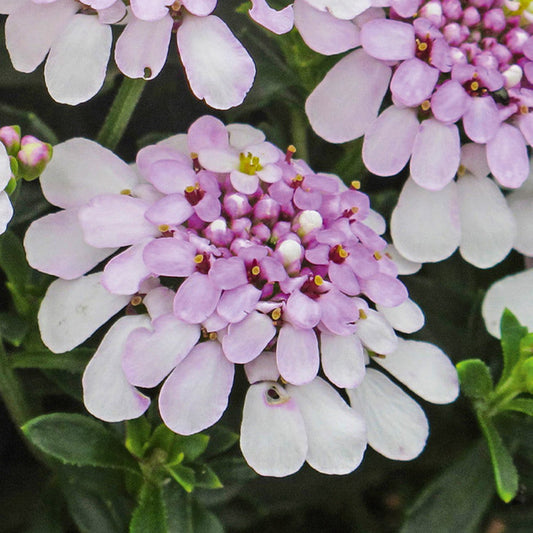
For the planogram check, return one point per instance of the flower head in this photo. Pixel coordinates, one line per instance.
(219, 259)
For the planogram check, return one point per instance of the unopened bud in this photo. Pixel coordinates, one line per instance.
(33, 157)
(10, 138)
(308, 221)
(291, 251)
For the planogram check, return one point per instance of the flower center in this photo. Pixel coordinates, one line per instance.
(193, 194)
(338, 254)
(249, 163)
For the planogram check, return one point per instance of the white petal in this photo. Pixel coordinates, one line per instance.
(273, 438)
(54, 244)
(336, 434)
(425, 224)
(73, 310)
(513, 292)
(425, 369)
(405, 267)
(77, 62)
(521, 205)
(6, 211)
(106, 392)
(406, 317)
(342, 106)
(82, 169)
(218, 67)
(43, 23)
(262, 368)
(396, 425)
(376, 333)
(487, 225)
(196, 393)
(343, 359)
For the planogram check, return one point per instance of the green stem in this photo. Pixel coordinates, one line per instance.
(121, 112)
(299, 134)
(12, 392)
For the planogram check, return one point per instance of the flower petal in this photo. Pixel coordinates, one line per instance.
(425, 369)
(336, 434)
(71, 311)
(396, 425)
(376, 333)
(273, 437)
(196, 394)
(196, 298)
(341, 107)
(343, 359)
(106, 392)
(406, 317)
(218, 68)
(297, 354)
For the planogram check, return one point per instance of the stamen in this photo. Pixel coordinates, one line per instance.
(356, 184)
(474, 86)
(136, 300)
(198, 259)
(249, 164)
(362, 314)
(425, 105)
(291, 149)
(126, 192)
(276, 314)
(163, 228)
(256, 270)
(212, 336)
(377, 256)
(318, 280)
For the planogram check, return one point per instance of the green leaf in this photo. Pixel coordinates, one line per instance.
(526, 346)
(74, 361)
(183, 475)
(161, 438)
(457, 499)
(192, 446)
(206, 478)
(505, 473)
(512, 333)
(95, 498)
(232, 470)
(137, 434)
(522, 405)
(204, 521)
(221, 439)
(13, 328)
(79, 440)
(13, 260)
(527, 370)
(150, 515)
(475, 378)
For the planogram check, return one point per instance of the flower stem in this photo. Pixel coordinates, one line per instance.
(299, 133)
(12, 392)
(121, 112)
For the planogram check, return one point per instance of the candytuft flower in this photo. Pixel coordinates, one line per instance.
(222, 250)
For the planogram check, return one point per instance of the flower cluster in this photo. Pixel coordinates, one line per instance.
(226, 251)
(447, 64)
(76, 36)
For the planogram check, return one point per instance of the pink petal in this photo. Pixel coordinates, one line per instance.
(413, 82)
(236, 304)
(297, 354)
(278, 22)
(196, 298)
(481, 119)
(389, 40)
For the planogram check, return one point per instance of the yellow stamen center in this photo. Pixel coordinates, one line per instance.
(212, 336)
(291, 148)
(256, 270)
(163, 228)
(356, 184)
(421, 45)
(318, 280)
(524, 109)
(190, 188)
(342, 252)
(276, 314)
(198, 258)
(425, 105)
(377, 256)
(474, 86)
(249, 164)
(362, 314)
(126, 192)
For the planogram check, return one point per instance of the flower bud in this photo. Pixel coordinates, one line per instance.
(291, 253)
(237, 205)
(512, 76)
(308, 221)
(33, 157)
(219, 233)
(494, 20)
(10, 137)
(267, 209)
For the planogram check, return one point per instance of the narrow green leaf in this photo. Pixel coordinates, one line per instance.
(526, 346)
(457, 499)
(79, 440)
(522, 405)
(179, 515)
(505, 473)
(475, 378)
(232, 470)
(150, 515)
(206, 478)
(183, 475)
(74, 361)
(137, 434)
(221, 439)
(161, 438)
(512, 333)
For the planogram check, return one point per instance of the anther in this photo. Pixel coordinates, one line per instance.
(163, 228)
(126, 192)
(256, 270)
(198, 259)
(356, 184)
(136, 300)
(362, 314)
(276, 314)
(377, 255)
(425, 105)
(318, 280)
(291, 149)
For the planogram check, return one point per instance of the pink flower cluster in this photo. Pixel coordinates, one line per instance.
(76, 36)
(226, 251)
(451, 67)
